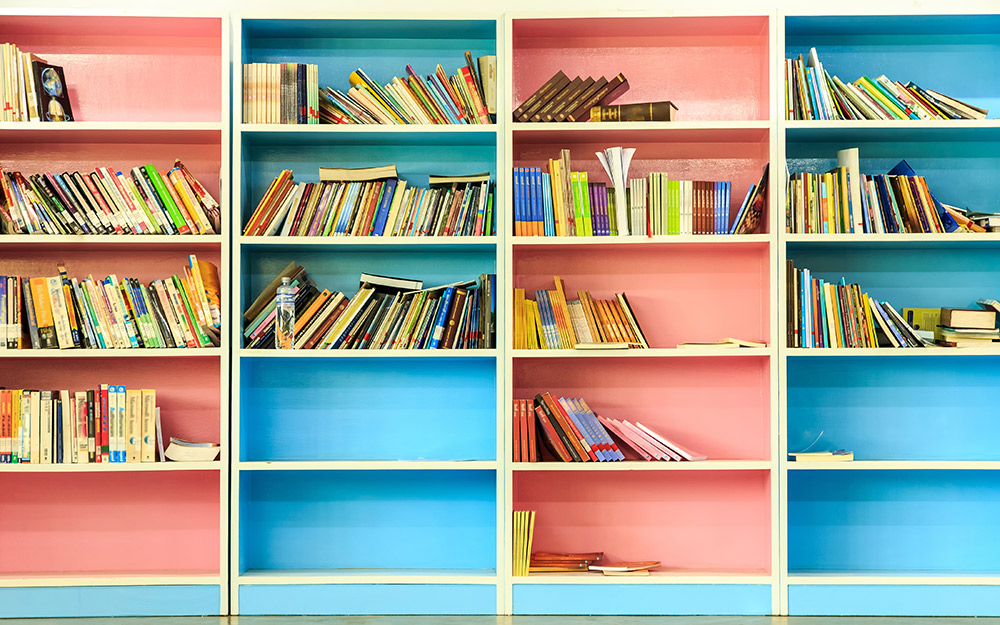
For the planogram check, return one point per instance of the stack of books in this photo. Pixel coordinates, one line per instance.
(33, 90)
(468, 97)
(812, 93)
(385, 313)
(553, 322)
(105, 201)
(56, 312)
(571, 431)
(825, 314)
(559, 562)
(280, 93)
(564, 99)
(374, 203)
(967, 327)
(108, 424)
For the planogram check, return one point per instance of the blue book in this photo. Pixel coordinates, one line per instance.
(604, 439)
(388, 191)
(537, 219)
(743, 208)
(518, 200)
(582, 428)
(442, 318)
(58, 417)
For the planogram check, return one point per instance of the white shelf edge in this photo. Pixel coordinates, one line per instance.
(742, 352)
(685, 239)
(152, 352)
(654, 578)
(366, 353)
(878, 124)
(112, 467)
(352, 241)
(527, 127)
(868, 238)
(345, 577)
(114, 239)
(138, 126)
(642, 465)
(368, 465)
(123, 579)
(897, 465)
(367, 128)
(799, 352)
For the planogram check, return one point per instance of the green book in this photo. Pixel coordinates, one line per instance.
(166, 199)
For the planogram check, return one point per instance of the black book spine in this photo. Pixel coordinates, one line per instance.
(159, 315)
(91, 431)
(69, 224)
(540, 402)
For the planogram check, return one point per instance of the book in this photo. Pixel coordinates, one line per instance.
(624, 567)
(968, 318)
(726, 343)
(342, 174)
(180, 450)
(51, 92)
(664, 111)
(838, 455)
(607, 94)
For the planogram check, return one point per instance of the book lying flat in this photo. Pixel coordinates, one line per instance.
(624, 567)
(822, 456)
(340, 174)
(443, 179)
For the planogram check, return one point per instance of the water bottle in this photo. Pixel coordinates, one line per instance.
(284, 318)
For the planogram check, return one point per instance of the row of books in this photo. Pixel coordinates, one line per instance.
(31, 89)
(570, 431)
(385, 313)
(280, 93)
(563, 99)
(108, 424)
(467, 97)
(450, 206)
(550, 321)
(105, 201)
(57, 312)
(812, 93)
(562, 202)
(828, 314)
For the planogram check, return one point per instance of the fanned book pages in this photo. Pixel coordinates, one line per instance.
(60, 312)
(143, 200)
(107, 424)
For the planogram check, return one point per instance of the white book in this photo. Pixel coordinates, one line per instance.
(147, 446)
(60, 314)
(35, 428)
(46, 428)
(133, 424)
(68, 428)
(850, 159)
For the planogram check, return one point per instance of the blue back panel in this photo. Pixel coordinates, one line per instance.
(368, 599)
(878, 600)
(368, 409)
(901, 408)
(109, 601)
(368, 519)
(893, 520)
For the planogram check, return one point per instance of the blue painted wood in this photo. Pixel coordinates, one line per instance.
(893, 521)
(878, 600)
(188, 600)
(368, 519)
(368, 409)
(642, 599)
(368, 599)
(896, 408)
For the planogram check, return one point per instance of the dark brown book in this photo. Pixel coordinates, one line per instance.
(583, 97)
(638, 112)
(605, 95)
(565, 99)
(451, 321)
(544, 92)
(571, 87)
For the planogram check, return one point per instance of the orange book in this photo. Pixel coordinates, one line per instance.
(43, 314)
(564, 311)
(606, 320)
(596, 331)
(625, 328)
(557, 406)
(306, 316)
(529, 416)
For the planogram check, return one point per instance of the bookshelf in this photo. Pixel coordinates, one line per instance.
(109, 539)
(907, 528)
(361, 479)
(719, 554)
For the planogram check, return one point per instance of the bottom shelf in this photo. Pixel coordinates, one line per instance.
(854, 599)
(367, 598)
(642, 600)
(139, 599)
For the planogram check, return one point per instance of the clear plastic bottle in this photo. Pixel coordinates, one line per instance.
(284, 318)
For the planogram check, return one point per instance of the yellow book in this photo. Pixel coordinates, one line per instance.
(519, 319)
(357, 81)
(133, 425)
(43, 313)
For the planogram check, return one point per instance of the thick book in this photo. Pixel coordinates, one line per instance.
(343, 174)
(968, 318)
(605, 95)
(664, 111)
(542, 94)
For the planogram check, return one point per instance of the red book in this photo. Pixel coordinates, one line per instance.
(105, 446)
(532, 435)
(517, 431)
(583, 447)
(551, 437)
(522, 418)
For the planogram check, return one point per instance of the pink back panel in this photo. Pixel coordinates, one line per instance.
(83, 523)
(155, 262)
(679, 293)
(716, 406)
(734, 156)
(130, 68)
(200, 152)
(186, 388)
(699, 521)
(657, 56)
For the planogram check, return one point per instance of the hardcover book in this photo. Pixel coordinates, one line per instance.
(50, 86)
